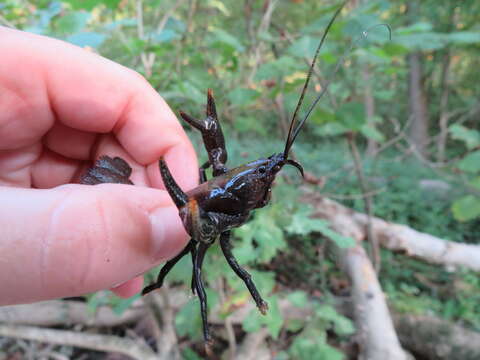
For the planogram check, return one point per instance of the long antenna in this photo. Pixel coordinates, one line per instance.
(363, 35)
(305, 86)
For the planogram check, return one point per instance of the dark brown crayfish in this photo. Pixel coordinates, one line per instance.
(213, 208)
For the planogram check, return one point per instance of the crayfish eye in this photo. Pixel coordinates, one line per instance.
(276, 168)
(262, 169)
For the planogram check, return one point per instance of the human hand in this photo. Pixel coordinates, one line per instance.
(62, 107)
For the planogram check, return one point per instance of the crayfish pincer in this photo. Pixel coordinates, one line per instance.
(217, 205)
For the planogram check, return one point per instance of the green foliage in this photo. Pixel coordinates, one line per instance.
(312, 342)
(415, 287)
(471, 162)
(469, 136)
(188, 320)
(215, 48)
(273, 320)
(118, 305)
(466, 208)
(302, 224)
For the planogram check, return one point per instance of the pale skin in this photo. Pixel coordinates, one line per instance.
(61, 107)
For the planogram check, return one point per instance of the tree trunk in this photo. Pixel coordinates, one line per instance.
(416, 93)
(418, 106)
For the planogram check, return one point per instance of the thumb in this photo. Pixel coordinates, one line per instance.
(76, 239)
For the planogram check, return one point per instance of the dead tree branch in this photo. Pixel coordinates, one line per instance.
(398, 237)
(437, 339)
(58, 312)
(134, 348)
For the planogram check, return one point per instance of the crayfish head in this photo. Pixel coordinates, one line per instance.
(277, 161)
(267, 170)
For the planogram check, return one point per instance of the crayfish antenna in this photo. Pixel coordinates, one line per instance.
(290, 138)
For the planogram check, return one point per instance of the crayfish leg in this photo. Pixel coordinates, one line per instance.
(202, 296)
(241, 273)
(167, 267)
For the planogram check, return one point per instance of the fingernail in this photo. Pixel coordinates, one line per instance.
(168, 234)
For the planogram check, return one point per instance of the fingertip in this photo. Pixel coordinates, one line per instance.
(168, 234)
(129, 288)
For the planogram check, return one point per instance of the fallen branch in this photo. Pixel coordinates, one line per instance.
(378, 338)
(398, 237)
(134, 348)
(437, 339)
(66, 312)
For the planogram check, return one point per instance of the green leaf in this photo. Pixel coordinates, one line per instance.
(422, 41)
(369, 131)
(95, 300)
(73, 22)
(250, 123)
(188, 320)
(351, 115)
(304, 46)
(242, 96)
(464, 37)
(265, 280)
(466, 208)
(475, 183)
(393, 49)
(302, 224)
(90, 4)
(273, 320)
(342, 325)
(270, 238)
(312, 348)
(415, 28)
(219, 5)
(278, 68)
(469, 136)
(166, 35)
(181, 272)
(294, 325)
(121, 304)
(222, 37)
(331, 129)
(83, 39)
(322, 116)
(298, 298)
(471, 162)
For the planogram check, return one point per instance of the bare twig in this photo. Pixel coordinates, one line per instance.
(232, 343)
(263, 27)
(5, 22)
(169, 12)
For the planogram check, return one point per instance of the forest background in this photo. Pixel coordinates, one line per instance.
(396, 138)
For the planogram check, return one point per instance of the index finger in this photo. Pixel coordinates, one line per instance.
(89, 93)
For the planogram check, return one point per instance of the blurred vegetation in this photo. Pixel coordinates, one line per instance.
(255, 54)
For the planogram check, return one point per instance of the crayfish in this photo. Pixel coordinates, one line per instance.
(216, 206)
